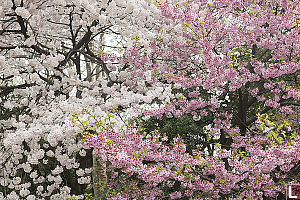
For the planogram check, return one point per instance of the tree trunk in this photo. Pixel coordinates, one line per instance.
(99, 178)
(242, 112)
(88, 69)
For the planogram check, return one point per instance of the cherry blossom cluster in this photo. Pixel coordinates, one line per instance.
(146, 165)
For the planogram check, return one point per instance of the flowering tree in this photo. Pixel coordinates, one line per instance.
(55, 60)
(210, 66)
(219, 63)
